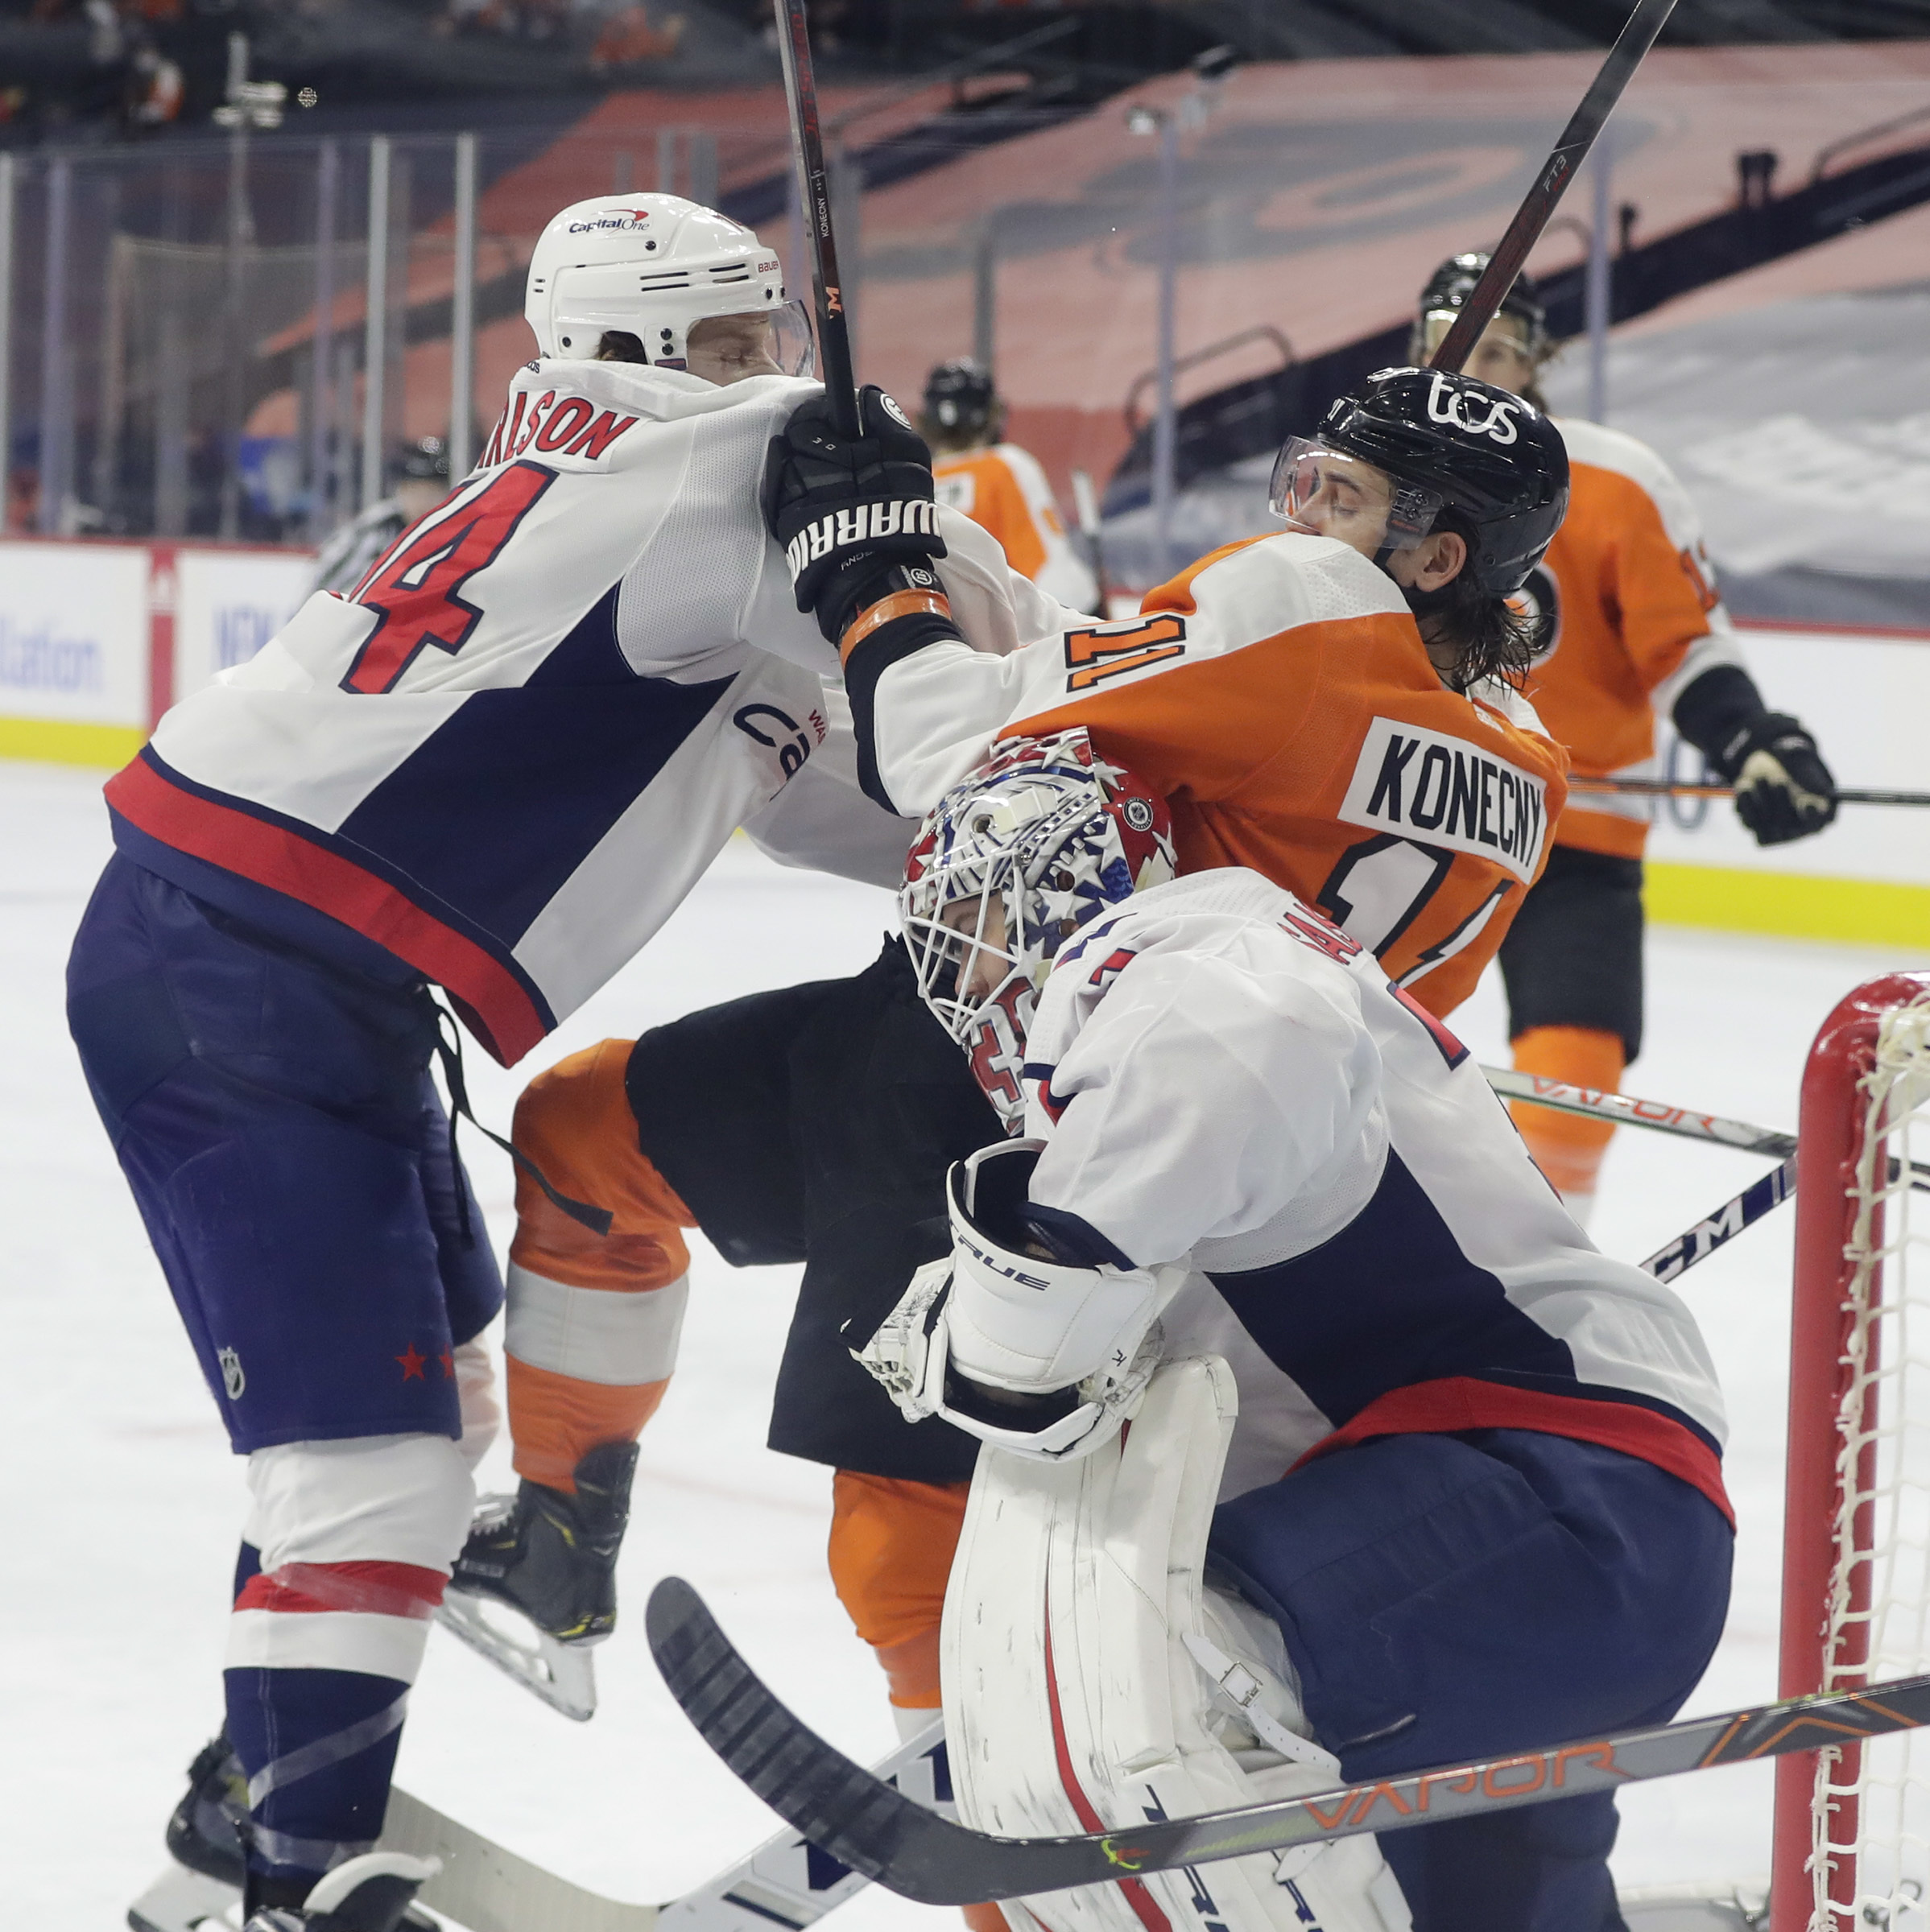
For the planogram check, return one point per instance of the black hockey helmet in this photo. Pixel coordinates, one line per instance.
(1446, 295)
(960, 399)
(425, 460)
(1450, 442)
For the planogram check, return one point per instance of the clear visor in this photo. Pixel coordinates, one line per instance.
(1435, 323)
(793, 347)
(1332, 493)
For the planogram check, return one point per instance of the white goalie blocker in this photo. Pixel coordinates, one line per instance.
(1092, 1682)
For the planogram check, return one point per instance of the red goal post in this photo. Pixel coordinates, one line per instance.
(1852, 1845)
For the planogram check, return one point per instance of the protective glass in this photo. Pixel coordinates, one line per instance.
(1309, 478)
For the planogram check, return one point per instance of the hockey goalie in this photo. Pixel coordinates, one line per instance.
(1321, 1443)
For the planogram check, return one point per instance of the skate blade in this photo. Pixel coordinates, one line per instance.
(1696, 1908)
(181, 1901)
(563, 1675)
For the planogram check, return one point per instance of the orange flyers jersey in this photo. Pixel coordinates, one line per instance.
(1004, 489)
(1637, 619)
(1279, 695)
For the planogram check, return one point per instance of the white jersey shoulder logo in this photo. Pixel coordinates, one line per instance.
(1445, 791)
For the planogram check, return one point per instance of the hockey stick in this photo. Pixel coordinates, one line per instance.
(1485, 298)
(874, 1830)
(1085, 507)
(814, 201)
(1728, 1221)
(1626, 1111)
(784, 1881)
(1669, 788)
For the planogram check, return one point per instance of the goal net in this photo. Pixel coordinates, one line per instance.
(1853, 1824)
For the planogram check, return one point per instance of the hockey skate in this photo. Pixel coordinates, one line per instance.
(371, 1893)
(201, 1891)
(536, 1586)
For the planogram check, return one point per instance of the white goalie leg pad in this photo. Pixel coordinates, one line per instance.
(1074, 1702)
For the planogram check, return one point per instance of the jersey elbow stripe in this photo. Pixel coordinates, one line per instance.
(258, 844)
(595, 1334)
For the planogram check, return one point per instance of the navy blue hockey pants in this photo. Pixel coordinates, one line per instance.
(274, 1117)
(1445, 1597)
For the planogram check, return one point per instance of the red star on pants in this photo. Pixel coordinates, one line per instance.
(448, 1360)
(411, 1365)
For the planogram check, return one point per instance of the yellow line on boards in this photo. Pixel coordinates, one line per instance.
(1870, 912)
(54, 740)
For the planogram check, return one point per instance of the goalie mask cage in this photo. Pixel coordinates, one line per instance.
(1852, 1846)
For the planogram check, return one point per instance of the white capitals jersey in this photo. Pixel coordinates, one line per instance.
(1220, 1073)
(507, 754)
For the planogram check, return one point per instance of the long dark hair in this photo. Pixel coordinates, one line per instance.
(1491, 638)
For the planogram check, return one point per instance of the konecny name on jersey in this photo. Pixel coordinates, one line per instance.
(1442, 791)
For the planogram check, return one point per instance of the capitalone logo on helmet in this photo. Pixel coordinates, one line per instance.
(1461, 409)
(617, 218)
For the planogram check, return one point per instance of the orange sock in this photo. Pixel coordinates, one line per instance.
(1567, 1147)
(891, 1545)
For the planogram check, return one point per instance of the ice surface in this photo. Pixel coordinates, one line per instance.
(120, 1505)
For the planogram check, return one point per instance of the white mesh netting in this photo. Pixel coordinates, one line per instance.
(1873, 1805)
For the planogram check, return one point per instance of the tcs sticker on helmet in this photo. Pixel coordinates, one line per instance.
(1472, 413)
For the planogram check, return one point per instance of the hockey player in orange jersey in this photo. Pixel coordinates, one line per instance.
(1328, 706)
(996, 484)
(1634, 630)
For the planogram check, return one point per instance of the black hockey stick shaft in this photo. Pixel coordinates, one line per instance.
(1669, 788)
(867, 1826)
(814, 200)
(1485, 298)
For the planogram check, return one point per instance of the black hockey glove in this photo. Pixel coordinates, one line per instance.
(1783, 789)
(844, 512)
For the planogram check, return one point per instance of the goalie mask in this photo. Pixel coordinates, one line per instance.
(1010, 864)
(653, 266)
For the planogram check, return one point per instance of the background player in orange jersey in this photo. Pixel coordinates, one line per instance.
(1305, 700)
(996, 484)
(1633, 628)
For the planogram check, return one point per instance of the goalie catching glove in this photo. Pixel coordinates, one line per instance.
(1039, 1356)
(844, 511)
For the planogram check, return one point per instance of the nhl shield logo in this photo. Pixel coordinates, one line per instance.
(233, 1379)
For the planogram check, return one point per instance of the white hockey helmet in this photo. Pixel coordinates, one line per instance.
(652, 265)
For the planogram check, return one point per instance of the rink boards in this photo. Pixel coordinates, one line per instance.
(96, 639)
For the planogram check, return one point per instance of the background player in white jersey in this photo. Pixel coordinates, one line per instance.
(1474, 1500)
(495, 767)
(1635, 630)
(998, 486)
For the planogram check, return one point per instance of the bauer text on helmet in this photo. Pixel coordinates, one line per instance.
(652, 267)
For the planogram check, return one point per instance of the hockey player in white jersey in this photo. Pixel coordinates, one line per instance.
(495, 766)
(1472, 1498)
